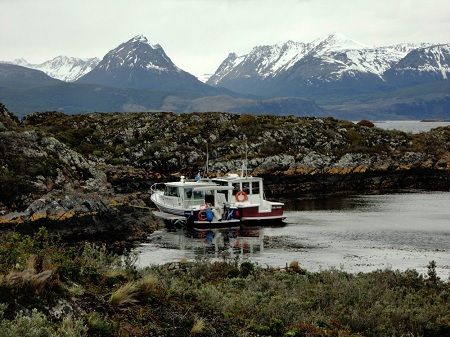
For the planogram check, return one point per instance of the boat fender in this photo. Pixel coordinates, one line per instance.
(241, 196)
(209, 214)
(201, 215)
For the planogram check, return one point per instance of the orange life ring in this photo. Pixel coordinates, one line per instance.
(201, 215)
(241, 196)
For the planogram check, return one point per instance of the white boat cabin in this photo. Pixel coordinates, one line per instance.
(190, 195)
(251, 186)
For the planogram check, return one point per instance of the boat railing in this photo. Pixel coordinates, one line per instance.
(157, 187)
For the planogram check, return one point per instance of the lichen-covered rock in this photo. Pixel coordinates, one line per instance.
(32, 164)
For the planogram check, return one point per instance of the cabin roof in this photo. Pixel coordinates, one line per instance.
(237, 179)
(190, 184)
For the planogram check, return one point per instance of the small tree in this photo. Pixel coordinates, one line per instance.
(432, 275)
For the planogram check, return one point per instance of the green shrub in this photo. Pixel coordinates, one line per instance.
(98, 326)
(38, 325)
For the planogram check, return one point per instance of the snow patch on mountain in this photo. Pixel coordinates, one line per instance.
(63, 68)
(433, 59)
(334, 43)
(67, 69)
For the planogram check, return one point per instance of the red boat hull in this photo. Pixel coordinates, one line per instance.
(252, 213)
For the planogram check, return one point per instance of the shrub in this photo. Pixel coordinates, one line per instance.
(247, 268)
(125, 295)
(98, 326)
(38, 325)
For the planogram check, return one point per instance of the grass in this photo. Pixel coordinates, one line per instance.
(198, 327)
(125, 295)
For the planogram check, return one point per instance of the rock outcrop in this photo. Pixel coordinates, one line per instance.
(7, 120)
(161, 144)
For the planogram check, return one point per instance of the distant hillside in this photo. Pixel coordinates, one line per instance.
(15, 77)
(34, 91)
(425, 101)
(63, 68)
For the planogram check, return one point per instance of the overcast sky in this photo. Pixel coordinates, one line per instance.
(199, 34)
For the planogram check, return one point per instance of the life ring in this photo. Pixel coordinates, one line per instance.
(241, 196)
(201, 215)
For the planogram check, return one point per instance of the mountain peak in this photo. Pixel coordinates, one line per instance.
(338, 42)
(139, 38)
(137, 64)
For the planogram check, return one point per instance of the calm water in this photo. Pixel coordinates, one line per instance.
(410, 126)
(361, 233)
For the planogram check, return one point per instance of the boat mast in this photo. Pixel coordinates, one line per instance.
(244, 166)
(207, 159)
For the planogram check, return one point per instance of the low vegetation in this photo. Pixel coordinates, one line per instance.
(49, 289)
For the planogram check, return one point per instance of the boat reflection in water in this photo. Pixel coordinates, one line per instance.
(172, 244)
(223, 242)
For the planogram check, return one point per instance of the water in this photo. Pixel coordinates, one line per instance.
(410, 126)
(360, 233)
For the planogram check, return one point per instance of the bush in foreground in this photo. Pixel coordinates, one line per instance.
(91, 292)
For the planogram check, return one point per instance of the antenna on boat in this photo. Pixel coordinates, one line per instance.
(207, 159)
(244, 166)
(246, 158)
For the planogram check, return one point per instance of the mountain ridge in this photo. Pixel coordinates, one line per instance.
(287, 78)
(312, 68)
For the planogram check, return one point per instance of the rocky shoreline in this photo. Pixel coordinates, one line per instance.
(87, 177)
(376, 182)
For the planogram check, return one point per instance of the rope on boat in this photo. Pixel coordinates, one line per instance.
(130, 205)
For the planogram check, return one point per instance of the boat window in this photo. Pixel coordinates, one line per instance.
(172, 191)
(198, 195)
(224, 194)
(246, 187)
(255, 187)
(188, 193)
(209, 197)
(236, 188)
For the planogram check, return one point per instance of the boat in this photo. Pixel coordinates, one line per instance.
(247, 195)
(193, 202)
(230, 199)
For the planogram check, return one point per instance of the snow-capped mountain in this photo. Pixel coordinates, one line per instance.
(66, 68)
(421, 65)
(20, 62)
(332, 63)
(262, 62)
(138, 64)
(63, 68)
